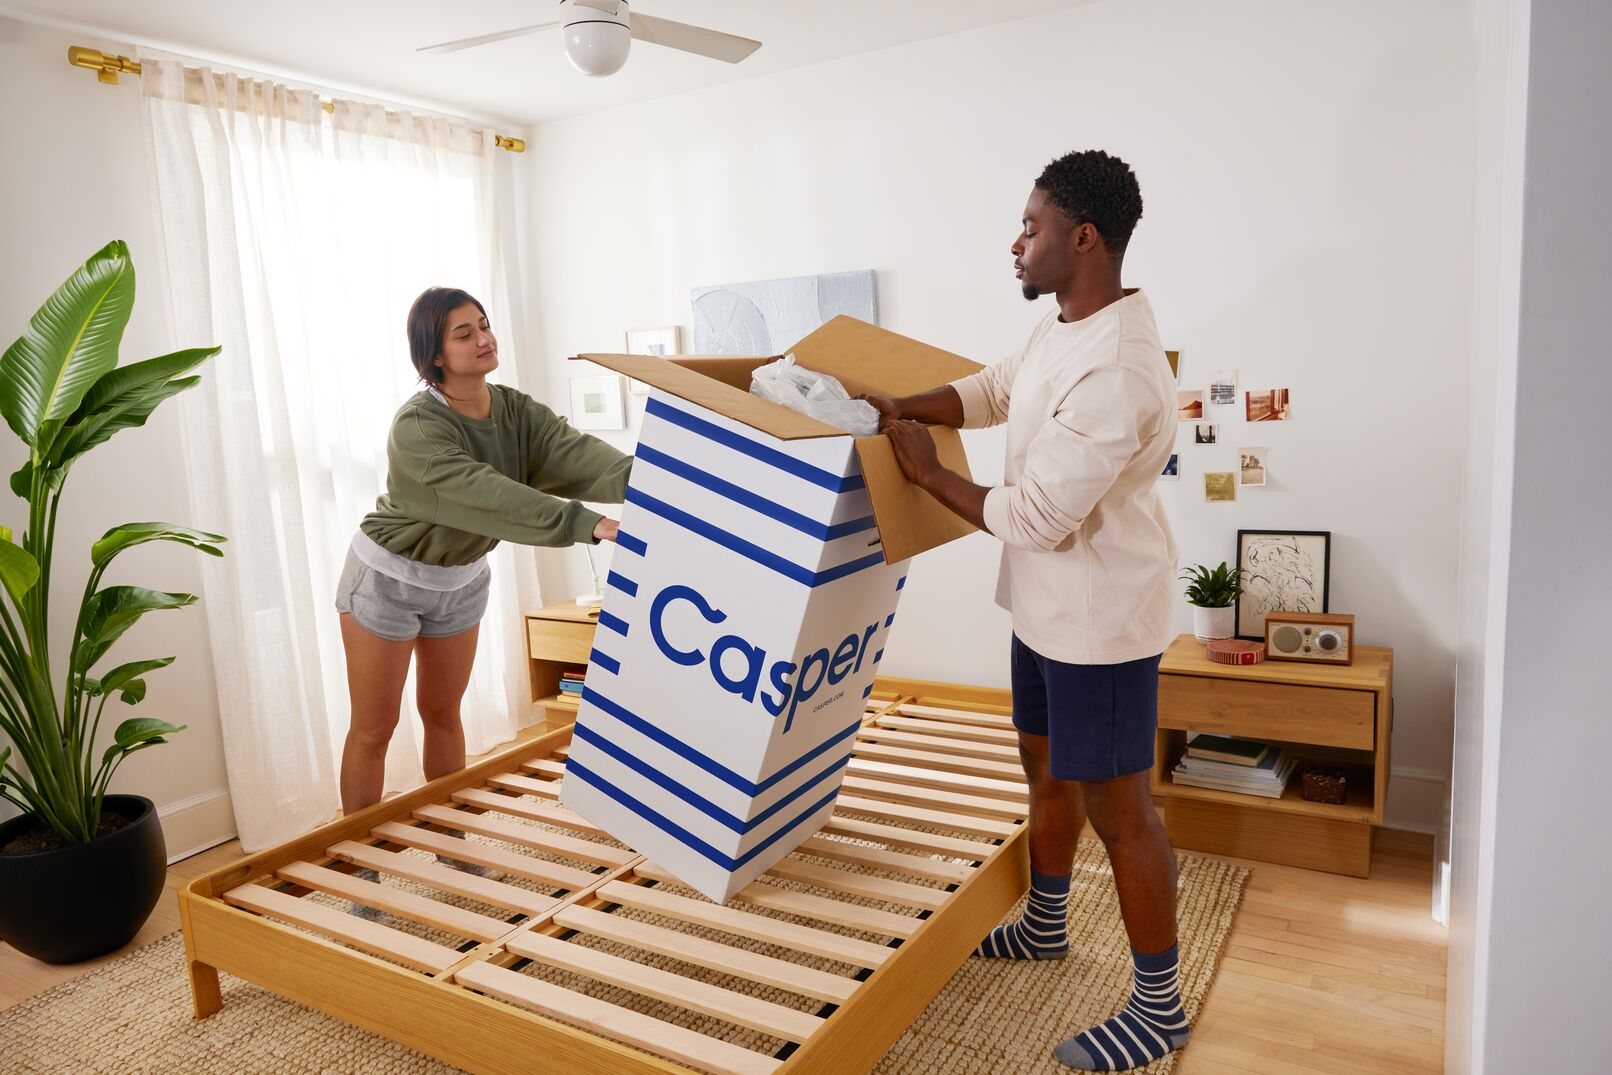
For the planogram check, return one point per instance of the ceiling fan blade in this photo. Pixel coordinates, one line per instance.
(486, 39)
(695, 39)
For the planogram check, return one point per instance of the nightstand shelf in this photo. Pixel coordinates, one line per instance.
(557, 638)
(1336, 715)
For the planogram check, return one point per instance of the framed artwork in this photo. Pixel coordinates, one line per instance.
(652, 341)
(596, 402)
(1284, 571)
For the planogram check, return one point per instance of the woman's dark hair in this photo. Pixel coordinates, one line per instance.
(428, 321)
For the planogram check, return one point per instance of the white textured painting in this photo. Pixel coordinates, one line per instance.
(1283, 572)
(768, 317)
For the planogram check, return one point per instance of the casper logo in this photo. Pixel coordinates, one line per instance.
(730, 652)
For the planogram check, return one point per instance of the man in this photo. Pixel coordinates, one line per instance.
(1088, 570)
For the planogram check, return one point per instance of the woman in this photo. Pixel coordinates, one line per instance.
(469, 464)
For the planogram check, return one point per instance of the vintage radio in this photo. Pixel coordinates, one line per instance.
(1310, 636)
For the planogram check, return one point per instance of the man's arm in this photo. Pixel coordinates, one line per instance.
(915, 452)
(940, 406)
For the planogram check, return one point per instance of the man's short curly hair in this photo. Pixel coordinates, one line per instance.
(1092, 187)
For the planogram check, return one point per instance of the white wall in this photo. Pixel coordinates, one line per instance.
(1529, 937)
(1306, 171)
(75, 178)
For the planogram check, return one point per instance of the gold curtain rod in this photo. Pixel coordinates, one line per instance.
(108, 68)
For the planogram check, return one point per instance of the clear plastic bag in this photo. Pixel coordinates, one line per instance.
(815, 394)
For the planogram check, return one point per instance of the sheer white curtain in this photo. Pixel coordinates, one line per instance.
(297, 239)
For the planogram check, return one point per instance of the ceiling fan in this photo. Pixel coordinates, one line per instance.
(598, 33)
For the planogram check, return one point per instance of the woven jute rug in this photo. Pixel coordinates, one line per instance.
(994, 1018)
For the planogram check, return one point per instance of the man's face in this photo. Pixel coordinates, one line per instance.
(1041, 252)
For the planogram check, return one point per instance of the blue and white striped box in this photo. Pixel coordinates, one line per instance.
(746, 612)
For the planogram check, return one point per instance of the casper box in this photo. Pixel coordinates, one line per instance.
(755, 581)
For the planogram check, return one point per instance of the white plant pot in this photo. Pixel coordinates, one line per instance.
(1209, 624)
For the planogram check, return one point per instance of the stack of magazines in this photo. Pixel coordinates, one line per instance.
(1223, 763)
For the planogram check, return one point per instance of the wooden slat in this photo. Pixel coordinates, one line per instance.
(949, 763)
(548, 789)
(806, 905)
(756, 927)
(395, 901)
(857, 884)
(546, 766)
(778, 973)
(914, 793)
(920, 815)
(546, 812)
(702, 997)
(968, 746)
(497, 858)
(929, 727)
(1012, 791)
(933, 869)
(957, 716)
(614, 1021)
(562, 752)
(437, 875)
(896, 836)
(524, 835)
(350, 929)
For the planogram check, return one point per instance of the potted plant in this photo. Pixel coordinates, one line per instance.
(81, 868)
(1213, 595)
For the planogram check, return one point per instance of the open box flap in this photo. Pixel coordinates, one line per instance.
(865, 358)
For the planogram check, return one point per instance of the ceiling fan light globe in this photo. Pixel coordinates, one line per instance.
(597, 48)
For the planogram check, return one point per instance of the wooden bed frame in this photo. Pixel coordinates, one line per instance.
(929, 757)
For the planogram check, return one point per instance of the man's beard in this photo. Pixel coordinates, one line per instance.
(1031, 292)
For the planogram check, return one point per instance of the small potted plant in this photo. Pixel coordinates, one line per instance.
(82, 866)
(1213, 595)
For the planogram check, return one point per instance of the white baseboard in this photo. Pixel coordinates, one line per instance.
(1415, 799)
(192, 825)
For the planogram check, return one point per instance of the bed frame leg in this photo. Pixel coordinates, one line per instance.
(204, 989)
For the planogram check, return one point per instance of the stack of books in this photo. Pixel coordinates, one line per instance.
(571, 681)
(1244, 766)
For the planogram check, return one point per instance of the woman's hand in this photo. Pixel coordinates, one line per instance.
(606, 530)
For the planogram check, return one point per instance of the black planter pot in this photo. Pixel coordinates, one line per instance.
(79, 902)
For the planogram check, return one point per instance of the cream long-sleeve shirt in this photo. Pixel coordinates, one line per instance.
(1088, 559)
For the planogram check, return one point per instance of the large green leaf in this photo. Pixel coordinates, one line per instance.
(137, 733)
(123, 673)
(112, 611)
(139, 375)
(125, 411)
(18, 569)
(69, 344)
(130, 534)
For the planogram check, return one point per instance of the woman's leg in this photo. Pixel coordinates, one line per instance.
(376, 671)
(442, 672)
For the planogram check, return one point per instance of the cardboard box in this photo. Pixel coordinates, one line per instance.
(761, 558)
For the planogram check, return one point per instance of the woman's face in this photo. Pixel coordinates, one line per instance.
(469, 348)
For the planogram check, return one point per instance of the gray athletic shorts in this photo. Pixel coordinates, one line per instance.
(399, 611)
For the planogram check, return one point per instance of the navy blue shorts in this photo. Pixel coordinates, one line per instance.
(1100, 720)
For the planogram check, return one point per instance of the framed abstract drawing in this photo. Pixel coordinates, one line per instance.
(1283, 571)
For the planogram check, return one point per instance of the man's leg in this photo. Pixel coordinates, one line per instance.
(1056, 818)
(1153, 1022)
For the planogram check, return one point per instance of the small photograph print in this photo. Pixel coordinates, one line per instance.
(1205, 433)
(1268, 405)
(1172, 470)
(1218, 486)
(1223, 389)
(1252, 470)
(1190, 404)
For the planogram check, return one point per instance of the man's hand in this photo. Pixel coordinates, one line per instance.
(606, 530)
(889, 409)
(915, 450)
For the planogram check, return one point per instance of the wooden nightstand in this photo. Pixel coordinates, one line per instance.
(557, 638)
(1343, 715)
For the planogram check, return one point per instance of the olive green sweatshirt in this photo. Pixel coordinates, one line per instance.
(457, 486)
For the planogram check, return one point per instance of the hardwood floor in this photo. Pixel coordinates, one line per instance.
(1321, 973)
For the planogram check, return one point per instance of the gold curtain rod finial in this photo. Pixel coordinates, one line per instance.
(107, 68)
(514, 145)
